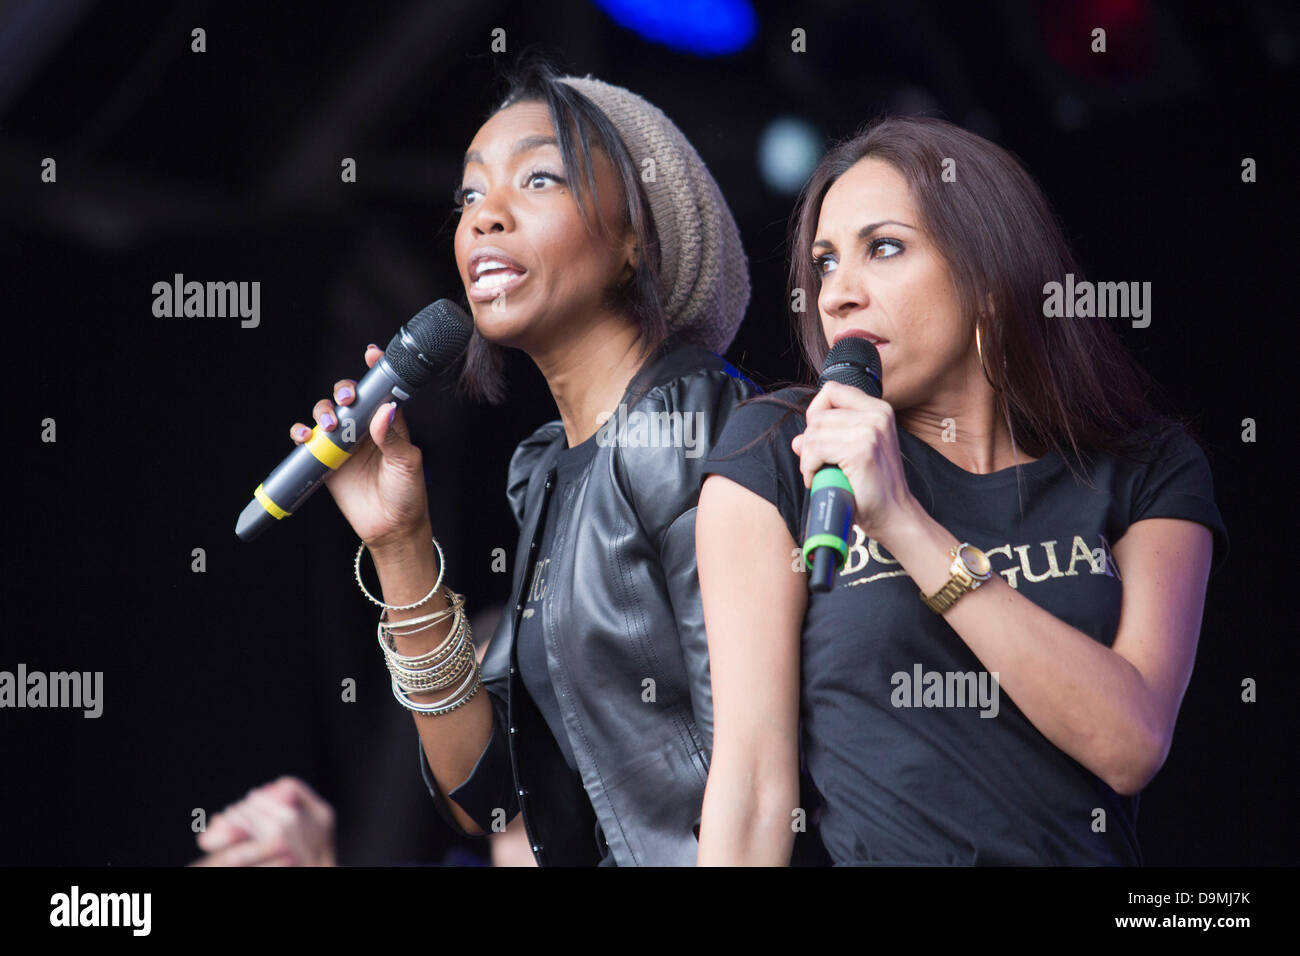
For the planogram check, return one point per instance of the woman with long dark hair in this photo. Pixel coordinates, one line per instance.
(591, 237)
(978, 687)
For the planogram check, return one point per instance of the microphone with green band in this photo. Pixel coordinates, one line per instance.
(851, 361)
(422, 348)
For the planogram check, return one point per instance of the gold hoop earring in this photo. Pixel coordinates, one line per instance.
(980, 352)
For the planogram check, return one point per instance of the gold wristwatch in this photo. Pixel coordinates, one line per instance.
(970, 568)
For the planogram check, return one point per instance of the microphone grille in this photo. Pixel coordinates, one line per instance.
(853, 361)
(429, 342)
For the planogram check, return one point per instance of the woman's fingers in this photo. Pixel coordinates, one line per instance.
(284, 789)
(297, 793)
(250, 817)
(839, 395)
(344, 392)
(276, 813)
(834, 438)
(284, 823)
(304, 822)
(839, 406)
(388, 430)
(249, 853)
(323, 412)
(221, 833)
(317, 808)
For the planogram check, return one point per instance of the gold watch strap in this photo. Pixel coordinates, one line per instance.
(959, 582)
(947, 595)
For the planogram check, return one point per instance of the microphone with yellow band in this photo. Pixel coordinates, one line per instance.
(423, 347)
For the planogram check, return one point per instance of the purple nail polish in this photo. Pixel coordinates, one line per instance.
(345, 394)
(391, 412)
(327, 420)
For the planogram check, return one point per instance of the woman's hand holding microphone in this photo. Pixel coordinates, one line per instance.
(848, 428)
(380, 488)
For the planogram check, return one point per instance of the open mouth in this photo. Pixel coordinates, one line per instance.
(494, 279)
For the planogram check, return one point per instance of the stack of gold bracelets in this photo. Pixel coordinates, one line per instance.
(451, 663)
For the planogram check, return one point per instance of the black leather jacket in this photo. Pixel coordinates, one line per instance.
(624, 634)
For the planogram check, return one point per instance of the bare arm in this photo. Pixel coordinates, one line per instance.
(380, 491)
(452, 742)
(754, 605)
(1113, 708)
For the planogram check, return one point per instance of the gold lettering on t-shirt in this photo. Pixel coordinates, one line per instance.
(874, 547)
(863, 552)
(1081, 552)
(1010, 573)
(877, 577)
(1052, 570)
(858, 556)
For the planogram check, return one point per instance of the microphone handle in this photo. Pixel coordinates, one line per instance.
(826, 530)
(822, 572)
(303, 470)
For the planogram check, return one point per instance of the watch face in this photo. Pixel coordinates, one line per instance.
(976, 561)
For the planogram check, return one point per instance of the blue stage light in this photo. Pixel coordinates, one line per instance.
(789, 149)
(702, 27)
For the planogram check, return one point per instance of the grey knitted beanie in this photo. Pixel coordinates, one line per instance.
(703, 275)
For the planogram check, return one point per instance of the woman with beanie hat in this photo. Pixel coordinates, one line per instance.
(592, 238)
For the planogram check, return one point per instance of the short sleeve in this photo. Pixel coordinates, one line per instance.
(1178, 484)
(525, 458)
(660, 468)
(754, 451)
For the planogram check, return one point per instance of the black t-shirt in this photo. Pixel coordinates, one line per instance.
(530, 645)
(918, 756)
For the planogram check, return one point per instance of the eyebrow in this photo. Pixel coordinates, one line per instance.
(865, 231)
(522, 146)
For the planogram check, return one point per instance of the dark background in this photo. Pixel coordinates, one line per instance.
(225, 166)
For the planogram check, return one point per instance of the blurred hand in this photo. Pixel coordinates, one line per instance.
(285, 823)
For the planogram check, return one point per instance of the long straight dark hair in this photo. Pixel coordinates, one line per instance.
(580, 127)
(1063, 384)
